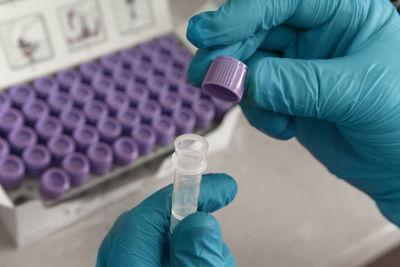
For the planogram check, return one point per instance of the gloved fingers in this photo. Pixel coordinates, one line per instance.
(237, 20)
(241, 50)
(139, 236)
(229, 259)
(276, 125)
(280, 39)
(305, 88)
(197, 241)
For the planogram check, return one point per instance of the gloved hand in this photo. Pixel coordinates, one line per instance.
(324, 71)
(140, 236)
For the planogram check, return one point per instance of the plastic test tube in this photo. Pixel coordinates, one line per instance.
(20, 94)
(185, 121)
(171, 103)
(90, 70)
(165, 129)
(59, 102)
(4, 148)
(72, 119)
(190, 94)
(81, 94)
(117, 101)
(54, 183)
(85, 136)
(205, 112)
(9, 120)
(68, 78)
(122, 78)
(110, 129)
(77, 166)
(130, 56)
(126, 150)
(157, 86)
(60, 146)
(35, 110)
(129, 118)
(44, 86)
(36, 158)
(101, 158)
(47, 128)
(137, 93)
(110, 63)
(20, 138)
(5, 102)
(190, 160)
(12, 170)
(145, 136)
(149, 110)
(103, 85)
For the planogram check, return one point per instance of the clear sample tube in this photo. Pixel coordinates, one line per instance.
(190, 160)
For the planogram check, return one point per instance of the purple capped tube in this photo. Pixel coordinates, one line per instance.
(68, 78)
(165, 130)
(45, 86)
(129, 118)
(12, 171)
(5, 102)
(137, 93)
(81, 94)
(170, 103)
(185, 121)
(85, 136)
(190, 94)
(4, 148)
(101, 158)
(36, 158)
(89, 71)
(47, 128)
(126, 151)
(161, 64)
(59, 102)
(148, 49)
(182, 58)
(20, 138)
(167, 44)
(175, 78)
(117, 101)
(157, 86)
(20, 94)
(149, 110)
(205, 112)
(226, 79)
(122, 78)
(9, 120)
(54, 183)
(111, 63)
(130, 56)
(35, 110)
(145, 137)
(77, 167)
(142, 71)
(102, 86)
(110, 129)
(72, 119)
(60, 146)
(94, 111)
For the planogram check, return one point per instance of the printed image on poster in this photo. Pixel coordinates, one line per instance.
(82, 24)
(131, 15)
(25, 41)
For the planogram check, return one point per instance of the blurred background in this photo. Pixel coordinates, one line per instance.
(289, 210)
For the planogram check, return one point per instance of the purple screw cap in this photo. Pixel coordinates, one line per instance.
(165, 130)
(47, 128)
(90, 70)
(225, 79)
(72, 119)
(35, 110)
(9, 120)
(54, 183)
(110, 129)
(85, 136)
(60, 146)
(94, 111)
(5, 102)
(101, 158)
(170, 102)
(145, 137)
(126, 150)
(102, 86)
(20, 94)
(4, 148)
(130, 56)
(36, 158)
(185, 121)
(157, 87)
(175, 78)
(190, 94)
(182, 58)
(167, 44)
(149, 110)
(45, 86)
(161, 64)
(205, 112)
(68, 79)
(142, 71)
(81, 94)
(111, 63)
(59, 102)
(21, 138)
(122, 78)
(117, 101)
(221, 107)
(77, 167)
(12, 170)
(147, 49)
(137, 93)
(129, 118)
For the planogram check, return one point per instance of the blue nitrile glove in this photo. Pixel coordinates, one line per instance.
(140, 237)
(334, 82)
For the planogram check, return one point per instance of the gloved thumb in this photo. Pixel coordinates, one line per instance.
(321, 89)
(197, 241)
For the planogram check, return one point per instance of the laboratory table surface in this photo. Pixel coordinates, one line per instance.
(289, 211)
